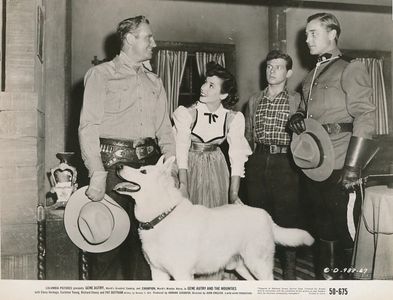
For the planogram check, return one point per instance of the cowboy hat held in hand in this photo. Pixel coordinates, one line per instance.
(312, 151)
(95, 226)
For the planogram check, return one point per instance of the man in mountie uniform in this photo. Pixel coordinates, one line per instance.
(337, 94)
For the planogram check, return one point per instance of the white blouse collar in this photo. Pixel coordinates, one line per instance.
(203, 108)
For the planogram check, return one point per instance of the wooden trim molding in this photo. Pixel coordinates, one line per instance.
(357, 5)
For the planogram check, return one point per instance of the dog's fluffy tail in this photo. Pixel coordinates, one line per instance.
(291, 237)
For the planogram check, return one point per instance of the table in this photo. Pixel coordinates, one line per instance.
(374, 244)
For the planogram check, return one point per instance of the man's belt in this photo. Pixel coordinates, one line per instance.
(272, 149)
(335, 128)
(127, 151)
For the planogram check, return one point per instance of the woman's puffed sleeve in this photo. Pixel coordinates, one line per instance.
(182, 130)
(239, 149)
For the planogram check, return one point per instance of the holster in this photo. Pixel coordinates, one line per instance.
(360, 152)
(127, 151)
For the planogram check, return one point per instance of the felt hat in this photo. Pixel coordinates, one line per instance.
(313, 152)
(95, 226)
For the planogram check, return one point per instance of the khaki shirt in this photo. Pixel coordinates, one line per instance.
(122, 100)
(342, 94)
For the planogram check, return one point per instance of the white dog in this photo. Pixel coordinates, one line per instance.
(180, 239)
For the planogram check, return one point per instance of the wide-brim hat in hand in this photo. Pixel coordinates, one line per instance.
(313, 152)
(95, 226)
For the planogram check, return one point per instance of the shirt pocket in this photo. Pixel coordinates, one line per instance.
(118, 96)
(150, 99)
(332, 94)
(151, 94)
(281, 120)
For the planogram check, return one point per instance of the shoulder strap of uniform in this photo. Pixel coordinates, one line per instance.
(346, 58)
(315, 79)
(327, 67)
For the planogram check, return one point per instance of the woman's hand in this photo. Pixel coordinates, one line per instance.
(234, 190)
(183, 186)
(234, 199)
(184, 190)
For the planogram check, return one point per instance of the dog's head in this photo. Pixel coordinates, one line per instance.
(146, 182)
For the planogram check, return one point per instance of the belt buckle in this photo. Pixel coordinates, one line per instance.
(333, 128)
(336, 128)
(273, 149)
(143, 151)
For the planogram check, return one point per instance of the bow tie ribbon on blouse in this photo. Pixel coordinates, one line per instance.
(212, 117)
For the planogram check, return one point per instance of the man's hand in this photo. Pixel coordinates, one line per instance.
(349, 176)
(360, 152)
(296, 123)
(96, 189)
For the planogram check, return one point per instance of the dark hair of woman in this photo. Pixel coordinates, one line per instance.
(228, 83)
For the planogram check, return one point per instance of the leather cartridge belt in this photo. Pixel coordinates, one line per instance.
(201, 147)
(272, 149)
(127, 151)
(335, 128)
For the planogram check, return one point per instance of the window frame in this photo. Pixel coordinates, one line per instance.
(192, 48)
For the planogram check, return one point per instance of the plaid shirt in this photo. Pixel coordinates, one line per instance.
(271, 119)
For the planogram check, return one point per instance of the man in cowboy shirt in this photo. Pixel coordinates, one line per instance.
(124, 120)
(271, 176)
(337, 94)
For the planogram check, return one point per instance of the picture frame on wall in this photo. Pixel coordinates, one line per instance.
(40, 34)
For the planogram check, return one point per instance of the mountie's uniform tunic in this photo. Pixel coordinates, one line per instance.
(341, 94)
(198, 133)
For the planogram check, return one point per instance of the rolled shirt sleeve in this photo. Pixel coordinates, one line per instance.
(239, 149)
(182, 129)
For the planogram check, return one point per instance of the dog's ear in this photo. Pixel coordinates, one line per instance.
(168, 164)
(160, 162)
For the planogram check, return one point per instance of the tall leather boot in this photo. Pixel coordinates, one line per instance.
(346, 268)
(327, 260)
(288, 263)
